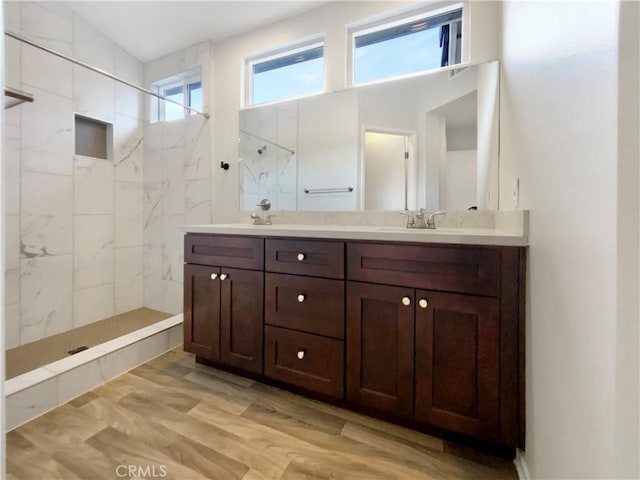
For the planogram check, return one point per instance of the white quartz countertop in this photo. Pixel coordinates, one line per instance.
(464, 236)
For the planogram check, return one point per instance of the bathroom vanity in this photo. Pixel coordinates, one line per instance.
(425, 329)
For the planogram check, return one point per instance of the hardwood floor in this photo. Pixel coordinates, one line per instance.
(174, 419)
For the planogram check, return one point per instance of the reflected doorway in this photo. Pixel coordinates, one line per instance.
(388, 171)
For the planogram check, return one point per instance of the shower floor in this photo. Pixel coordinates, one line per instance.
(30, 356)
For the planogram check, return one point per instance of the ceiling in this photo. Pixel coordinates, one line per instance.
(152, 29)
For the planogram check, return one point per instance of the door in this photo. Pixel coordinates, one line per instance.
(387, 171)
(457, 362)
(380, 347)
(241, 307)
(202, 311)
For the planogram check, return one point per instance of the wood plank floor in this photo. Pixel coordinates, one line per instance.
(174, 419)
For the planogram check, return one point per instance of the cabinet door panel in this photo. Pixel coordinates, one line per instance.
(457, 363)
(202, 311)
(308, 361)
(312, 305)
(380, 347)
(241, 318)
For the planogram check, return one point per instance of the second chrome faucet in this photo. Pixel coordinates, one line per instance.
(417, 220)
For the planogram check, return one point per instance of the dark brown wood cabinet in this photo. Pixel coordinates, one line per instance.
(380, 341)
(312, 362)
(427, 334)
(202, 311)
(223, 307)
(304, 314)
(241, 300)
(457, 363)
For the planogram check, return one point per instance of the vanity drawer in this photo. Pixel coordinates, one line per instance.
(305, 257)
(456, 269)
(312, 305)
(224, 251)
(309, 361)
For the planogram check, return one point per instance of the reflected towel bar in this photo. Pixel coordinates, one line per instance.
(328, 190)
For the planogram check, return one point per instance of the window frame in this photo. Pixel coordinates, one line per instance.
(300, 46)
(399, 18)
(184, 80)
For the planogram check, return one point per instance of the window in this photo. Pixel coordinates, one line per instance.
(293, 72)
(92, 137)
(410, 45)
(184, 88)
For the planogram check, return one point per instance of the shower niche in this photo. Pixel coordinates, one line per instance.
(93, 138)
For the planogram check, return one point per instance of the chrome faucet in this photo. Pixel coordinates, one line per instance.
(264, 205)
(431, 222)
(419, 219)
(411, 223)
(415, 220)
(258, 220)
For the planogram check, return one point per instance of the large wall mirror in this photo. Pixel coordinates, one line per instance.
(429, 141)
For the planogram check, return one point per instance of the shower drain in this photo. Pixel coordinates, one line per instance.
(73, 351)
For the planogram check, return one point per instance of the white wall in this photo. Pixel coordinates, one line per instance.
(484, 21)
(461, 176)
(177, 182)
(559, 135)
(73, 224)
(627, 410)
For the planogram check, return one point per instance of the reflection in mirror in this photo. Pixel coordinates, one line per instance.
(428, 141)
(459, 123)
(386, 171)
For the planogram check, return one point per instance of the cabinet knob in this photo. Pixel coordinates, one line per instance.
(301, 257)
(302, 297)
(406, 301)
(423, 303)
(214, 276)
(223, 276)
(301, 354)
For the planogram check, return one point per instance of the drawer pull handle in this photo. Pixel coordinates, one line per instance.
(423, 303)
(301, 257)
(302, 297)
(214, 276)
(406, 301)
(223, 276)
(301, 354)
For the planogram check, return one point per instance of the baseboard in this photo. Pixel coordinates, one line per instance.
(521, 465)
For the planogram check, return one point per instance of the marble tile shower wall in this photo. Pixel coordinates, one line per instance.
(74, 225)
(269, 172)
(177, 184)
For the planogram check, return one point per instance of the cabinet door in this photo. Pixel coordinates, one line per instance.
(241, 310)
(457, 362)
(202, 311)
(380, 347)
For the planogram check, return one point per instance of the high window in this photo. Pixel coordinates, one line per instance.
(291, 72)
(408, 45)
(184, 88)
